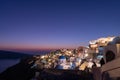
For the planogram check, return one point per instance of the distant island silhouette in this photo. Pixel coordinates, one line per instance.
(13, 55)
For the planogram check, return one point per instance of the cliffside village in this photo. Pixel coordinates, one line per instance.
(82, 58)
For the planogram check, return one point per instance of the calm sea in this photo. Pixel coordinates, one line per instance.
(5, 63)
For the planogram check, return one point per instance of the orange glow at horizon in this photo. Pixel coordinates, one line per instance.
(31, 47)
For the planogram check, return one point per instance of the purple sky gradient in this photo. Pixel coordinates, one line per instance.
(38, 24)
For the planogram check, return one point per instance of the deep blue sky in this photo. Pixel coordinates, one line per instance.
(56, 23)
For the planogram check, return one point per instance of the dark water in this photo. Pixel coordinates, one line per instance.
(5, 63)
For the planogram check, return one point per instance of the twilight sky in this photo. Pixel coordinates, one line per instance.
(38, 24)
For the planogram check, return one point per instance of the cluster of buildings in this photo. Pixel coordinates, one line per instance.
(80, 58)
(66, 59)
(96, 47)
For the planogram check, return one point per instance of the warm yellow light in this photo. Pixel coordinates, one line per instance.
(42, 56)
(86, 55)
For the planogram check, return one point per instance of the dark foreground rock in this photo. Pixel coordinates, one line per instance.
(54, 74)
